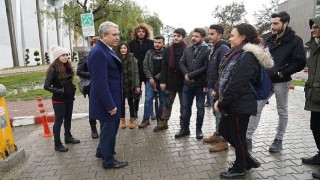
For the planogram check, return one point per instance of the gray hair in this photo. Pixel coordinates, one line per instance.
(105, 27)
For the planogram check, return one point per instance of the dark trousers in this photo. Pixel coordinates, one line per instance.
(106, 147)
(132, 108)
(315, 127)
(233, 128)
(188, 95)
(62, 114)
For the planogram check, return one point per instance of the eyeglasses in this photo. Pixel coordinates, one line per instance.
(315, 27)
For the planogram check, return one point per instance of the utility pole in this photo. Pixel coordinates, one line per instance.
(40, 33)
(12, 33)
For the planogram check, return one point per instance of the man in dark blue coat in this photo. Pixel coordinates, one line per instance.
(106, 92)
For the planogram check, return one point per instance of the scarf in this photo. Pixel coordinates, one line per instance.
(172, 63)
(227, 66)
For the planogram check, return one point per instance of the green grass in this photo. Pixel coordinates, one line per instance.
(26, 81)
(298, 83)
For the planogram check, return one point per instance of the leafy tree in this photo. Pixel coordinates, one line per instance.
(155, 22)
(229, 15)
(263, 16)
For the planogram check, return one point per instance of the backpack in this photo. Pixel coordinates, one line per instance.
(263, 87)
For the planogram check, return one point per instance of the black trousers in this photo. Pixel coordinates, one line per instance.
(315, 127)
(233, 128)
(132, 107)
(63, 115)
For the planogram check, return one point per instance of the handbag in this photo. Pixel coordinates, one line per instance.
(84, 86)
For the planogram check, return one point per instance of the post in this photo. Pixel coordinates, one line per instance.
(47, 132)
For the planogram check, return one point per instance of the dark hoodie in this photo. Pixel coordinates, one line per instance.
(216, 54)
(288, 55)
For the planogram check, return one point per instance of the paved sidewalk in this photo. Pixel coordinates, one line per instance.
(160, 156)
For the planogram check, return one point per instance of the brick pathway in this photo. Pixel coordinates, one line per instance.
(160, 156)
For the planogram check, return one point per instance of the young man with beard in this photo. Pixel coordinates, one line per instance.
(218, 50)
(140, 44)
(289, 57)
(193, 65)
(171, 77)
(152, 70)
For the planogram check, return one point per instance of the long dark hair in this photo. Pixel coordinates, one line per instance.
(119, 47)
(249, 31)
(60, 69)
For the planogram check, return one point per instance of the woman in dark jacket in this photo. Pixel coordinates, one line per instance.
(236, 99)
(131, 83)
(59, 82)
(83, 72)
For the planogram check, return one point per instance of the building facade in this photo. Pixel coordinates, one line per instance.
(300, 12)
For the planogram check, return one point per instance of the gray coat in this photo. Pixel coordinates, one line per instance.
(196, 68)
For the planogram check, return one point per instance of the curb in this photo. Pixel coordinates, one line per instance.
(29, 120)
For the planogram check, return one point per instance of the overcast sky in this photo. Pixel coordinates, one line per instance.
(191, 14)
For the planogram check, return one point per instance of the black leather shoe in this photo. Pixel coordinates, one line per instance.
(182, 133)
(71, 140)
(252, 162)
(61, 148)
(116, 165)
(199, 135)
(235, 172)
(316, 175)
(312, 160)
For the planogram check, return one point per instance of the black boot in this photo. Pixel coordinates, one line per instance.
(71, 140)
(59, 147)
(235, 172)
(94, 132)
(252, 162)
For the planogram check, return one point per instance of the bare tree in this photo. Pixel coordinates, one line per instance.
(263, 16)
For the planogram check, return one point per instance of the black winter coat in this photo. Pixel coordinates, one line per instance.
(173, 78)
(238, 97)
(61, 93)
(196, 68)
(82, 68)
(139, 52)
(288, 55)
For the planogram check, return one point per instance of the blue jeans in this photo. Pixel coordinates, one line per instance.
(148, 102)
(188, 95)
(216, 114)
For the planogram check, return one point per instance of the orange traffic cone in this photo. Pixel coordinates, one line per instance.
(47, 132)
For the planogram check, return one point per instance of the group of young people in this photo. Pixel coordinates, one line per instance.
(225, 70)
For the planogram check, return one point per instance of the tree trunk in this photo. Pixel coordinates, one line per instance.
(40, 33)
(12, 33)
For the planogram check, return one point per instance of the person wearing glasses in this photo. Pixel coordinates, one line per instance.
(312, 91)
(106, 90)
(59, 81)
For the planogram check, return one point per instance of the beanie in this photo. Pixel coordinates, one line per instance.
(57, 51)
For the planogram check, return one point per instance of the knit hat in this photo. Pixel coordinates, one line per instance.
(57, 51)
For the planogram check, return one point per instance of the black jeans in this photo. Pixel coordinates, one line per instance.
(132, 107)
(62, 114)
(315, 127)
(233, 128)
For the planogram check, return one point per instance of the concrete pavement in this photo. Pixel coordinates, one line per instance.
(160, 156)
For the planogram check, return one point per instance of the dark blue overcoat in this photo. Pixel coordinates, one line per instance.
(106, 83)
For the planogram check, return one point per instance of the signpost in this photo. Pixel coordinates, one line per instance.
(87, 23)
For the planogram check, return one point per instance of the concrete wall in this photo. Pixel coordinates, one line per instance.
(300, 13)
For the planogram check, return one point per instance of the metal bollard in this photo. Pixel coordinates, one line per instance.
(47, 132)
(7, 145)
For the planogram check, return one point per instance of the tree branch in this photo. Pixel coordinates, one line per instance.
(102, 6)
